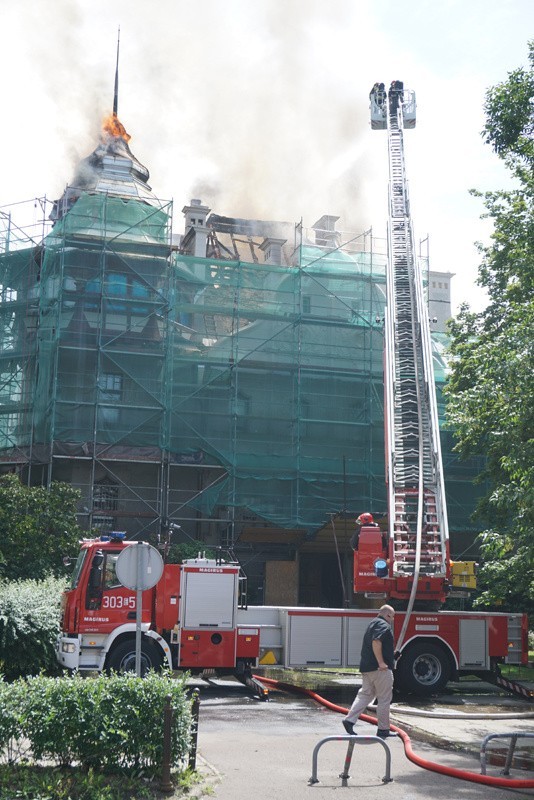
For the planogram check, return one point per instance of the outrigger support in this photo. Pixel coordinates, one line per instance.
(253, 682)
(494, 677)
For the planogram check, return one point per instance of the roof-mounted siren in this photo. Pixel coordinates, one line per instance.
(408, 108)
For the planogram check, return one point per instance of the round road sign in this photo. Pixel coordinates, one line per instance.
(139, 566)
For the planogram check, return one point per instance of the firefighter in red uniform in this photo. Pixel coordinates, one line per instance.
(364, 519)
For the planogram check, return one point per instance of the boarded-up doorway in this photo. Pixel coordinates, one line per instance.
(281, 583)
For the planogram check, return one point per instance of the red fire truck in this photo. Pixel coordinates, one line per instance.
(192, 619)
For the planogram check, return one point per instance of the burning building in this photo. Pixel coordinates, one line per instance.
(227, 379)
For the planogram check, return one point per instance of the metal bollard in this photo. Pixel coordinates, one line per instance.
(351, 740)
(511, 748)
(166, 783)
(195, 708)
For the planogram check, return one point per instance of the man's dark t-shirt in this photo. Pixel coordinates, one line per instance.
(378, 629)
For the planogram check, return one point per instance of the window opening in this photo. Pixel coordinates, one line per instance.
(109, 396)
(110, 571)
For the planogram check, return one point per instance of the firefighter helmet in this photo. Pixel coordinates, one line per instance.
(365, 519)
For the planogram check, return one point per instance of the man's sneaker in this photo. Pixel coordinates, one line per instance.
(385, 734)
(349, 727)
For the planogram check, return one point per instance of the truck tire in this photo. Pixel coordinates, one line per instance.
(122, 657)
(424, 669)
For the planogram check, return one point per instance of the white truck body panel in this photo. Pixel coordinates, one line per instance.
(209, 603)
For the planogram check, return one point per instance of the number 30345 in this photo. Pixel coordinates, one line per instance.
(117, 601)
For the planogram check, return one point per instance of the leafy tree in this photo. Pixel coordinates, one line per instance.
(491, 387)
(37, 528)
(184, 550)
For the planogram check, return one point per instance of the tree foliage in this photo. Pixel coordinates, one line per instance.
(192, 549)
(37, 528)
(491, 387)
(509, 112)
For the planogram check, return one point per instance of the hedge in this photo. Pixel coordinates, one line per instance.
(29, 625)
(108, 723)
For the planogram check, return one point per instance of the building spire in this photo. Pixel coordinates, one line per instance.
(116, 90)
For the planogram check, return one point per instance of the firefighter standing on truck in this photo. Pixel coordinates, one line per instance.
(363, 519)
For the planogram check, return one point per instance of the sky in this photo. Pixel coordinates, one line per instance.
(260, 107)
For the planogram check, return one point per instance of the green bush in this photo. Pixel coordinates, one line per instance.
(111, 724)
(29, 625)
(51, 783)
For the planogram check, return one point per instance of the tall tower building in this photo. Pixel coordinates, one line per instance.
(439, 299)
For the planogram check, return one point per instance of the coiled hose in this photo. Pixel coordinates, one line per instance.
(465, 775)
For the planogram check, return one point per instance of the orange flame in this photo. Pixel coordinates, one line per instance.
(114, 127)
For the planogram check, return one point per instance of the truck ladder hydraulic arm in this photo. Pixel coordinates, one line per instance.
(418, 548)
(412, 562)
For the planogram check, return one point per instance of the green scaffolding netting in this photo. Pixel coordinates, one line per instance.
(113, 342)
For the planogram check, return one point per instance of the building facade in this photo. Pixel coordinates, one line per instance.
(227, 380)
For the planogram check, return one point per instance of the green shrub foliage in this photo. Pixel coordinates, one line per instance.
(29, 625)
(25, 782)
(109, 724)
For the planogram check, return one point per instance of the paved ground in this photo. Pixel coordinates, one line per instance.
(249, 749)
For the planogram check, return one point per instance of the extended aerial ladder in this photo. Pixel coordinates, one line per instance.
(412, 563)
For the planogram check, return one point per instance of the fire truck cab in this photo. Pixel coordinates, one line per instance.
(188, 618)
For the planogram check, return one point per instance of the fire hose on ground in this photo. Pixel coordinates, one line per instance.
(432, 766)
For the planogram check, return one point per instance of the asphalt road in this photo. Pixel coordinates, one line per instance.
(249, 749)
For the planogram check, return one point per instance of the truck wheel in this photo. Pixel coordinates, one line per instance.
(424, 669)
(122, 657)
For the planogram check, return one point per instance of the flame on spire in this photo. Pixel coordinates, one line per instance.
(112, 126)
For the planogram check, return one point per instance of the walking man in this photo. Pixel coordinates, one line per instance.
(377, 663)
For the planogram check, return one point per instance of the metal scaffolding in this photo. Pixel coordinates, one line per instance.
(210, 392)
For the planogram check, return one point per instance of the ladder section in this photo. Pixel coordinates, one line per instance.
(414, 468)
(405, 533)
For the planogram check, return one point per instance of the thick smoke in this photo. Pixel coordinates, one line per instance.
(260, 109)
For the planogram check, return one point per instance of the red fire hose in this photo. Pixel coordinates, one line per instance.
(464, 775)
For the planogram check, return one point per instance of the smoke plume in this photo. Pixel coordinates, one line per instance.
(259, 109)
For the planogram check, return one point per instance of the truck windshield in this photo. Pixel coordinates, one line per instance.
(110, 575)
(78, 569)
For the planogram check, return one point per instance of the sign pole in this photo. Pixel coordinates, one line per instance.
(138, 609)
(139, 567)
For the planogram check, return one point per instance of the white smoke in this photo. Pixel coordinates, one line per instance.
(260, 109)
